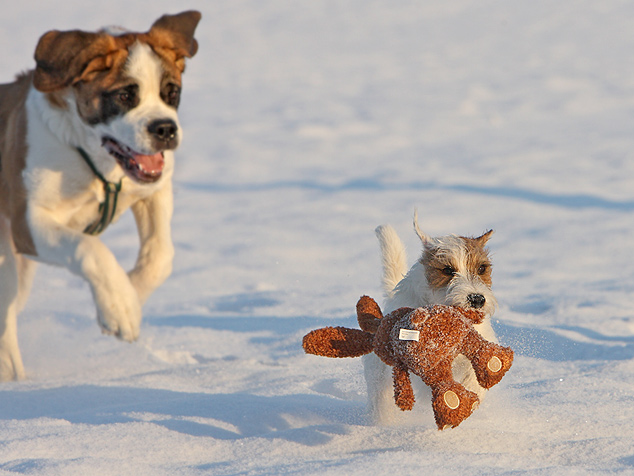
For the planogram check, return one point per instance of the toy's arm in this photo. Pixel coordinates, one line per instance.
(338, 342)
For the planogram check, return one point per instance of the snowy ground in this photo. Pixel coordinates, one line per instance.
(308, 123)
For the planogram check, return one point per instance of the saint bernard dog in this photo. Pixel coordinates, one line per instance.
(87, 134)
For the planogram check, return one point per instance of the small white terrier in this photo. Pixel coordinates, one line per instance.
(453, 270)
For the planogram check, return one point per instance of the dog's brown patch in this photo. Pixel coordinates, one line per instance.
(65, 58)
(477, 257)
(438, 267)
(13, 149)
(458, 254)
(92, 63)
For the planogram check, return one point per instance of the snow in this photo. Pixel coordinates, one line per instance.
(308, 124)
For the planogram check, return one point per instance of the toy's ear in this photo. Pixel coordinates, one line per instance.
(368, 314)
(338, 342)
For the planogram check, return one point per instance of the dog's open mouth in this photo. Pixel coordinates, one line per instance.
(142, 168)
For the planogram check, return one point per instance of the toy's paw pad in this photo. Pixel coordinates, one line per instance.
(494, 364)
(451, 399)
(452, 405)
(491, 364)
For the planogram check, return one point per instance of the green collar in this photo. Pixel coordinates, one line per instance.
(109, 205)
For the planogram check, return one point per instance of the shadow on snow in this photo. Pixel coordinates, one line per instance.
(219, 416)
(574, 201)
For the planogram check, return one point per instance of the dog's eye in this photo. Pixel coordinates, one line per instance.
(172, 95)
(482, 269)
(127, 96)
(449, 271)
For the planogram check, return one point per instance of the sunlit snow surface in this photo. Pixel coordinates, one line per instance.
(307, 124)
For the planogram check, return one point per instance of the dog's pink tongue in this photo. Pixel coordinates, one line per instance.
(152, 164)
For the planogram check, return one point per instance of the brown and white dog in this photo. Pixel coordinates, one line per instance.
(86, 135)
(452, 270)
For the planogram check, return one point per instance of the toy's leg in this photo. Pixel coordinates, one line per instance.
(490, 361)
(452, 403)
(403, 392)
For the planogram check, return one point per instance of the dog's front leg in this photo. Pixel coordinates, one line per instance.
(154, 264)
(118, 306)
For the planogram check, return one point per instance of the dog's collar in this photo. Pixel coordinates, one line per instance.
(109, 205)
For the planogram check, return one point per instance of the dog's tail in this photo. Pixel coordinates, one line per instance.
(393, 258)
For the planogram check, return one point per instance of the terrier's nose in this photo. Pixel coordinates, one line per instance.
(476, 300)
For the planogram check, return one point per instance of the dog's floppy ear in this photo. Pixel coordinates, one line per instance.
(175, 33)
(65, 57)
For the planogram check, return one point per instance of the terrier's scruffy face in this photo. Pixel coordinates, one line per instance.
(458, 271)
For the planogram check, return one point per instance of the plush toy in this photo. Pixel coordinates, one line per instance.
(424, 341)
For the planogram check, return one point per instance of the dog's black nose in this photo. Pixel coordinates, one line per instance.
(163, 129)
(476, 300)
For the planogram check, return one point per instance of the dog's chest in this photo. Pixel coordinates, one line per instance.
(74, 196)
(59, 180)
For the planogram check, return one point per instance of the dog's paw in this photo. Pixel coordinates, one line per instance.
(121, 330)
(120, 315)
(10, 365)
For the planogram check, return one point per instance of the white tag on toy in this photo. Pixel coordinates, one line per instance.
(408, 334)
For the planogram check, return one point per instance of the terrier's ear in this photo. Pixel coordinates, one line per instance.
(483, 239)
(422, 236)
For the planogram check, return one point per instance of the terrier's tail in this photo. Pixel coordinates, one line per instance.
(393, 258)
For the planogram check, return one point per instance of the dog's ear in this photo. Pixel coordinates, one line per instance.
(65, 57)
(175, 33)
(422, 236)
(484, 238)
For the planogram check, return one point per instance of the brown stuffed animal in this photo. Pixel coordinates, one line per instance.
(424, 341)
